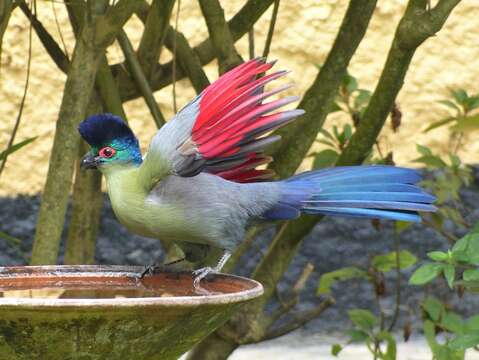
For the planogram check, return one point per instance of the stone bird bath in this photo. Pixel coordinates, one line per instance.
(104, 312)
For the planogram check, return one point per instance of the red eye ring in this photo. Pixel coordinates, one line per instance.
(106, 152)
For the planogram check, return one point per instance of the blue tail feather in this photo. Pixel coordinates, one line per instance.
(384, 192)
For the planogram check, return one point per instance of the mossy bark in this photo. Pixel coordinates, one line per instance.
(239, 25)
(87, 202)
(76, 96)
(6, 7)
(156, 25)
(101, 24)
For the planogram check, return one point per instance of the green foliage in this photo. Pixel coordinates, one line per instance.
(465, 252)
(448, 179)
(388, 262)
(329, 279)
(5, 153)
(363, 319)
(366, 331)
(460, 334)
(460, 105)
(426, 273)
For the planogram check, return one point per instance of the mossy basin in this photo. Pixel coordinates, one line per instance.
(105, 312)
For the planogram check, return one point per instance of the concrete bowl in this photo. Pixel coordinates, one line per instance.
(104, 312)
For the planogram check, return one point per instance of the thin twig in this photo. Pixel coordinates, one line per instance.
(269, 37)
(65, 49)
(49, 43)
(397, 244)
(251, 43)
(175, 108)
(300, 319)
(24, 97)
(449, 236)
(140, 78)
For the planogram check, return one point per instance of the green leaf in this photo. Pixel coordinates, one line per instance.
(463, 342)
(472, 324)
(11, 239)
(363, 319)
(438, 255)
(467, 123)
(356, 335)
(449, 274)
(327, 134)
(325, 158)
(328, 279)
(334, 108)
(452, 322)
(460, 95)
(16, 147)
(433, 307)
(348, 131)
(423, 150)
(326, 142)
(466, 249)
(400, 226)
(439, 123)
(336, 349)
(350, 83)
(426, 273)
(391, 348)
(387, 262)
(473, 102)
(450, 104)
(362, 98)
(431, 161)
(429, 329)
(471, 275)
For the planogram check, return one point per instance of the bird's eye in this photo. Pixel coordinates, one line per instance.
(106, 152)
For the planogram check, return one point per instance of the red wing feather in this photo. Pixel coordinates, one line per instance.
(233, 117)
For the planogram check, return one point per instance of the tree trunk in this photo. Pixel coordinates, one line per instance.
(75, 100)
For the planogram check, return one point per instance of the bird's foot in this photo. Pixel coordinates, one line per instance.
(200, 274)
(155, 268)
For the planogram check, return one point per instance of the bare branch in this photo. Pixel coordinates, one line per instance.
(238, 25)
(112, 21)
(49, 43)
(269, 37)
(156, 25)
(140, 79)
(300, 319)
(220, 35)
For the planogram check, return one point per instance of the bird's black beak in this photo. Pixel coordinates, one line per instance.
(88, 162)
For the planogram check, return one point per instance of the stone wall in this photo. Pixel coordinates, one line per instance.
(305, 31)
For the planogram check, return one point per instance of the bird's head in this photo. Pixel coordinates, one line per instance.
(112, 142)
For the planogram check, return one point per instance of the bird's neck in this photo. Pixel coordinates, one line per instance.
(124, 185)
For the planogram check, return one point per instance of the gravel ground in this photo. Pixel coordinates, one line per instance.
(299, 346)
(333, 244)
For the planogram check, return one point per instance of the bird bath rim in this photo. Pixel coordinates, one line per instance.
(252, 288)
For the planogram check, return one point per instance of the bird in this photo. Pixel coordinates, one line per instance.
(202, 182)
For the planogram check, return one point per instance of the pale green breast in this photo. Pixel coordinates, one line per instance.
(139, 214)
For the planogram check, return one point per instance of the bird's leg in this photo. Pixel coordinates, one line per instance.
(203, 272)
(151, 269)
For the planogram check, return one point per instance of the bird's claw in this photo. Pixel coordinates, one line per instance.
(150, 270)
(200, 274)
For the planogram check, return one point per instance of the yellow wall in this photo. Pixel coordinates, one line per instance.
(305, 31)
